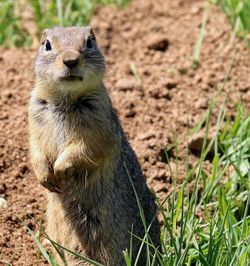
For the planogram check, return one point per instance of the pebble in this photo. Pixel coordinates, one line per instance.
(169, 84)
(158, 43)
(160, 187)
(3, 203)
(127, 84)
(146, 135)
(201, 103)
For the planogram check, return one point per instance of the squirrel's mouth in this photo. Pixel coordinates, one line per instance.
(72, 78)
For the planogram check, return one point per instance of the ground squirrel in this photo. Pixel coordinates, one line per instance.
(81, 155)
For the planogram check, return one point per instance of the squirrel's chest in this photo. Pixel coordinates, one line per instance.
(56, 129)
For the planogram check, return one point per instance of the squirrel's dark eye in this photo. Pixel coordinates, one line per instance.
(48, 46)
(89, 43)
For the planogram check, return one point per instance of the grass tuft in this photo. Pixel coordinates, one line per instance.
(238, 12)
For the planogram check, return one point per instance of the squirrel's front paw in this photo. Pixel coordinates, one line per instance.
(46, 176)
(50, 182)
(63, 169)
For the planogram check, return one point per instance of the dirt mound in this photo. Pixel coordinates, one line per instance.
(148, 47)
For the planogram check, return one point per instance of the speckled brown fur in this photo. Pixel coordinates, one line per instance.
(81, 155)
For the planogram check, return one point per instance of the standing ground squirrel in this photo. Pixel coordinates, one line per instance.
(81, 155)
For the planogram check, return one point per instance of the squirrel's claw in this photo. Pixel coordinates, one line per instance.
(51, 187)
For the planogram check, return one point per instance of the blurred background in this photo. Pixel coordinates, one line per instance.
(21, 21)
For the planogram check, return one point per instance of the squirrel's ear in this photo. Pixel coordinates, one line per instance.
(44, 36)
(92, 33)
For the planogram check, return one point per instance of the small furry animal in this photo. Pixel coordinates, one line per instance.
(81, 155)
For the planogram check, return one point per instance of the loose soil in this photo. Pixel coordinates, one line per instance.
(148, 48)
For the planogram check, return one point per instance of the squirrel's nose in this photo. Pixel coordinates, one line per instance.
(70, 58)
(71, 63)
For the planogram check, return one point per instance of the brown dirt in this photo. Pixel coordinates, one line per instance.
(157, 39)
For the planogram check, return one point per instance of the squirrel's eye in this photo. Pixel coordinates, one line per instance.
(48, 46)
(89, 43)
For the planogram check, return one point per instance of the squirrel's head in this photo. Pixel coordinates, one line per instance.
(69, 60)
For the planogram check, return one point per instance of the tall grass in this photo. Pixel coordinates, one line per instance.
(207, 223)
(210, 224)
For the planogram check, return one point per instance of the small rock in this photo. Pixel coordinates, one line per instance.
(17, 174)
(160, 187)
(159, 93)
(153, 173)
(169, 84)
(183, 70)
(3, 203)
(146, 72)
(197, 79)
(152, 142)
(194, 10)
(146, 135)
(158, 43)
(244, 88)
(246, 96)
(130, 113)
(127, 84)
(7, 94)
(162, 173)
(146, 154)
(202, 103)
